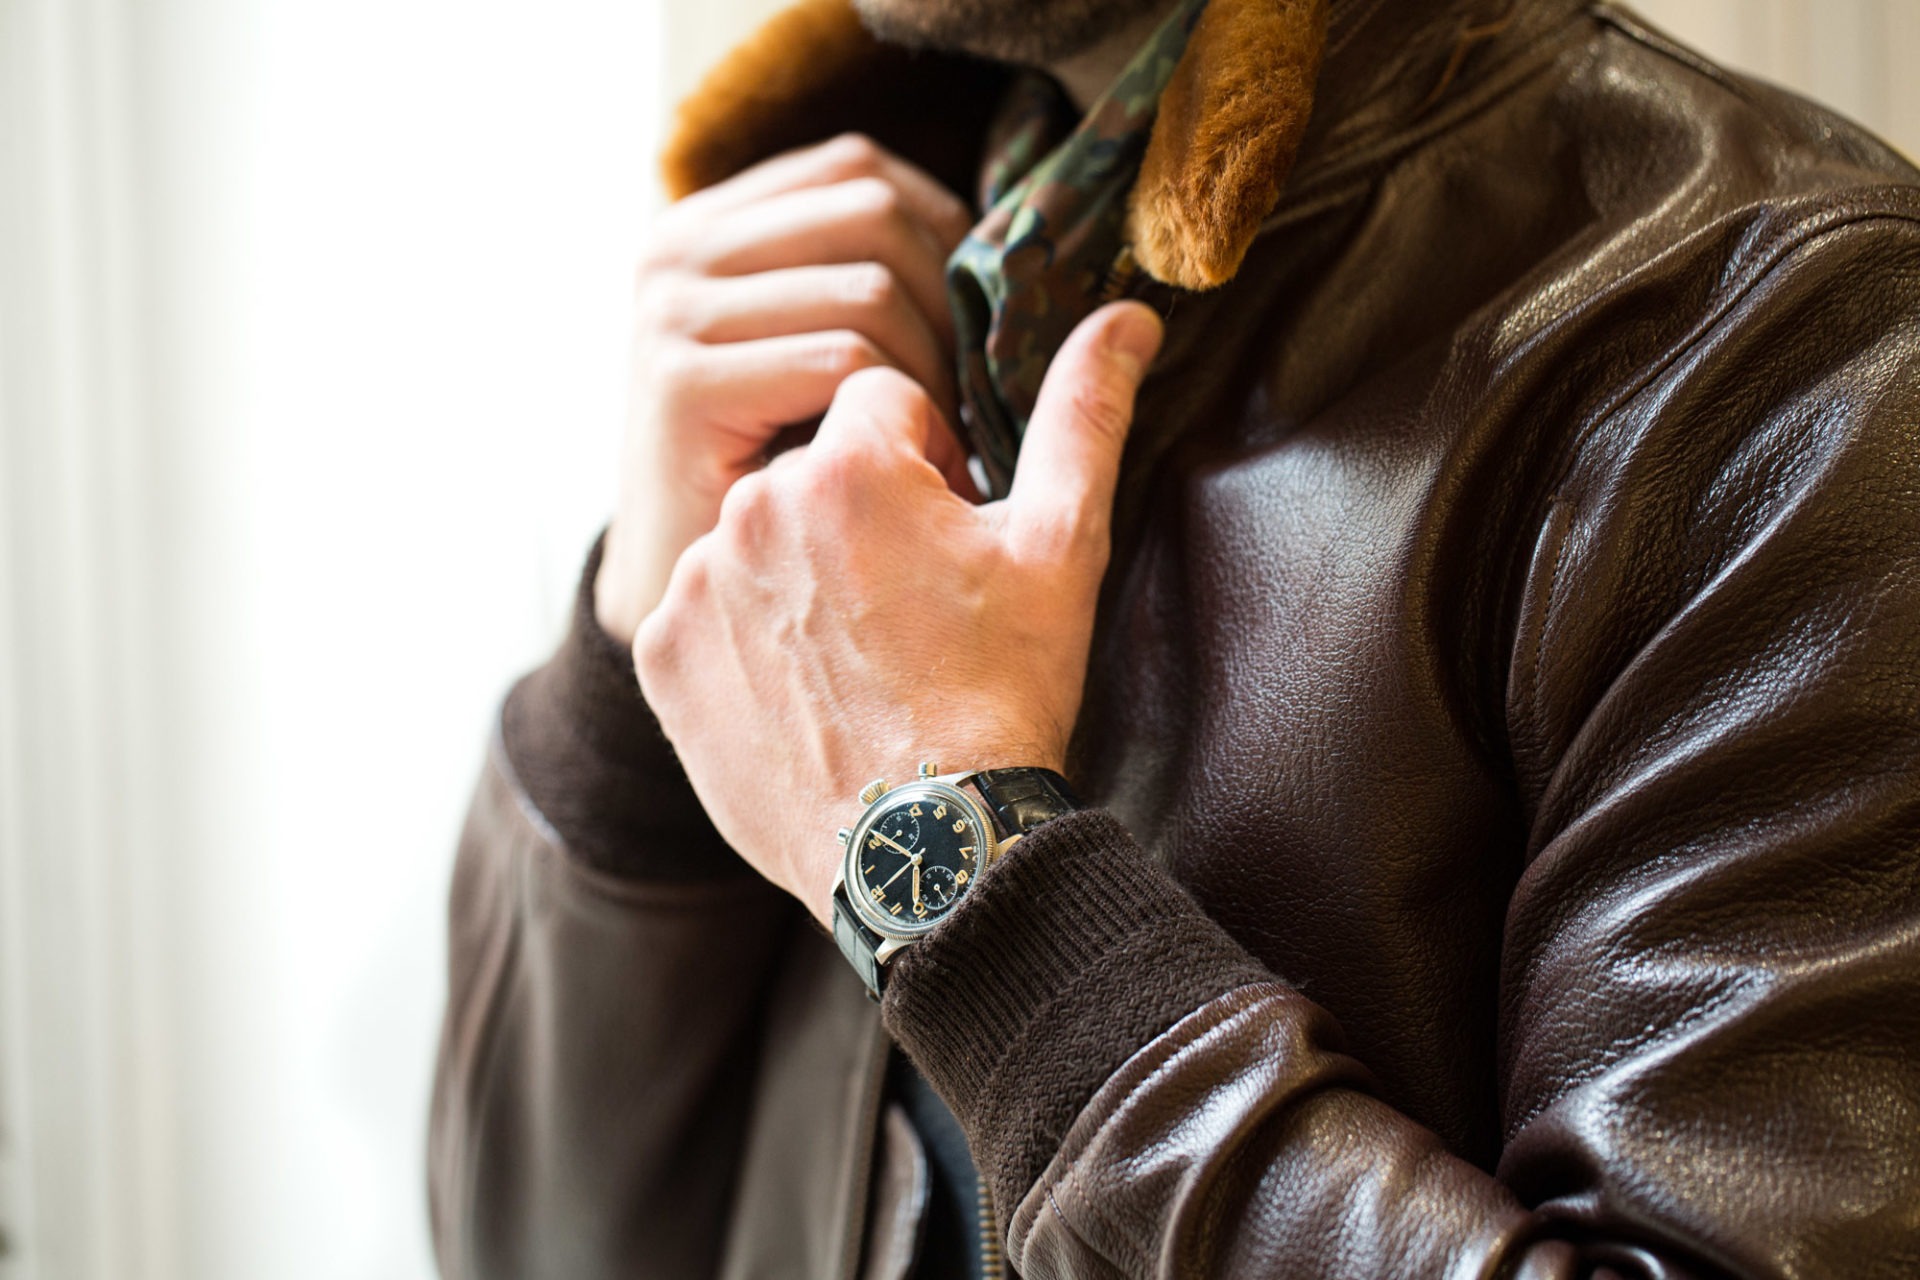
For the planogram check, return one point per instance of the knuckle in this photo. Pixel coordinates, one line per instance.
(664, 303)
(653, 642)
(875, 199)
(851, 153)
(661, 248)
(880, 390)
(745, 504)
(657, 642)
(672, 365)
(844, 353)
(871, 286)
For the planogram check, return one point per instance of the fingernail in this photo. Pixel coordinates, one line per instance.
(1136, 335)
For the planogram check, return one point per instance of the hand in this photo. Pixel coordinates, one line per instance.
(850, 615)
(754, 299)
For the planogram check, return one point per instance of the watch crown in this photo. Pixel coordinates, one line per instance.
(929, 769)
(844, 834)
(873, 791)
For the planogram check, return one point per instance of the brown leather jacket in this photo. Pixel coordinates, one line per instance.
(1504, 722)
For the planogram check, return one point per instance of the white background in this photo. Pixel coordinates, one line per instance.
(312, 316)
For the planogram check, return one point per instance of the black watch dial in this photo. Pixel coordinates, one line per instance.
(911, 860)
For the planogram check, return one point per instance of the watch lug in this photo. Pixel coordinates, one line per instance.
(888, 948)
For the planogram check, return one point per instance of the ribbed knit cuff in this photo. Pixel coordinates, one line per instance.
(590, 754)
(1066, 960)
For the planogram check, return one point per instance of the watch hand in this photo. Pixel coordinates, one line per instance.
(916, 884)
(897, 847)
(915, 862)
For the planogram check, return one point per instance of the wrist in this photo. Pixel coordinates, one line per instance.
(919, 848)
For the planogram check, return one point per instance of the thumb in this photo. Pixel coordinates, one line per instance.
(1070, 458)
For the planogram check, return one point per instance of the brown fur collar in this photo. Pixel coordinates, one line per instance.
(1229, 125)
(1263, 83)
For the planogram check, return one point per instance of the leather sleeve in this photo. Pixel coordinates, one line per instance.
(1710, 994)
(607, 966)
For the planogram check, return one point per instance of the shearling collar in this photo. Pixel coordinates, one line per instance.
(1264, 86)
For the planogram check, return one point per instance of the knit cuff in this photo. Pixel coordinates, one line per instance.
(1065, 961)
(591, 757)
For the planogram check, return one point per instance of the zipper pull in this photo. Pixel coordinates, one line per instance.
(1121, 274)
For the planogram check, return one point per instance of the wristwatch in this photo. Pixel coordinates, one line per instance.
(919, 848)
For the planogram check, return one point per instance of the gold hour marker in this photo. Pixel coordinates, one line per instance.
(868, 870)
(920, 910)
(873, 842)
(939, 811)
(879, 895)
(894, 909)
(961, 876)
(959, 825)
(915, 811)
(966, 851)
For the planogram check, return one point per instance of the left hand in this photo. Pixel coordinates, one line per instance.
(851, 615)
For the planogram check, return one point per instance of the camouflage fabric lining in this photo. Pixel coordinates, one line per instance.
(1049, 250)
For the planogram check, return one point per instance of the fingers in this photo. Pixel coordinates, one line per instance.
(842, 159)
(1070, 457)
(866, 298)
(863, 220)
(880, 412)
(767, 383)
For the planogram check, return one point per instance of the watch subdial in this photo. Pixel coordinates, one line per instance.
(901, 828)
(938, 888)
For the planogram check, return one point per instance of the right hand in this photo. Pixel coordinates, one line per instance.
(755, 299)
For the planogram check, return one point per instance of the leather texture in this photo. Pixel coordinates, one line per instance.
(1020, 799)
(899, 1199)
(1504, 731)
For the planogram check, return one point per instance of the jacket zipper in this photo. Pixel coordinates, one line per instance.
(991, 1265)
(1121, 273)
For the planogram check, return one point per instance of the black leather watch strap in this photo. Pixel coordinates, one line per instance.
(857, 943)
(1022, 799)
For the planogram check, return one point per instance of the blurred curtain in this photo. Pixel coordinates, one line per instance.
(312, 329)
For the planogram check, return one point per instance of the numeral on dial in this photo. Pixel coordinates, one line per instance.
(873, 842)
(915, 811)
(920, 910)
(961, 876)
(959, 825)
(966, 851)
(895, 908)
(879, 895)
(939, 811)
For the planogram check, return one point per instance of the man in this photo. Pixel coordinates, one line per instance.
(1486, 668)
